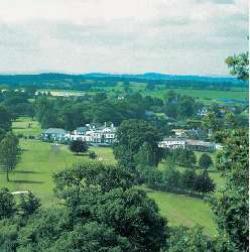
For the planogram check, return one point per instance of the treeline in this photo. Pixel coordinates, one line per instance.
(17, 102)
(172, 180)
(69, 113)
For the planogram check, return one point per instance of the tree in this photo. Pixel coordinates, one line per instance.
(78, 146)
(147, 156)
(7, 204)
(205, 161)
(232, 204)
(172, 179)
(28, 203)
(91, 236)
(5, 119)
(107, 196)
(9, 153)
(131, 136)
(203, 183)
(239, 65)
(183, 157)
(188, 179)
(189, 240)
(211, 122)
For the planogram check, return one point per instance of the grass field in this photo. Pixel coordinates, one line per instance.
(26, 127)
(184, 210)
(41, 160)
(206, 96)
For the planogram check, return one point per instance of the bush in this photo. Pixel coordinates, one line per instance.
(7, 204)
(92, 155)
(172, 179)
(188, 179)
(78, 146)
(28, 203)
(203, 183)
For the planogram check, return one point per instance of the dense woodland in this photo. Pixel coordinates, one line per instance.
(103, 207)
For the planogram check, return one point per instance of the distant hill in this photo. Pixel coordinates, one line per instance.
(59, 80)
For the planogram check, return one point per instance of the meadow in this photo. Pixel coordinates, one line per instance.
(40, 160)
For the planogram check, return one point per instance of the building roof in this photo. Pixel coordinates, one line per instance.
(54, 131)
(173, 139)
(198, 142)
(81, 129)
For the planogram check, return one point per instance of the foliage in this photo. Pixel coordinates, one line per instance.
(239, 65)
(92, 155)
(7, 204)
(28, 204)
(183, 157)
(78, 146)
(9, 153)
(135, 139)
(203, 183)
(180, 106)
(5, 119)
(171, 180)
(205, 161)
(231, 206)
(105, 196)
(190, 240)
(91, 236)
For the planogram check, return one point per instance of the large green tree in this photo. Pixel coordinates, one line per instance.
(133, 138)
(111, 201)
(5, 118)
(9, 153)
(205, 161)
(232, 204)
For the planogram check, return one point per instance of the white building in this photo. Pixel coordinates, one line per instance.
(172, 143)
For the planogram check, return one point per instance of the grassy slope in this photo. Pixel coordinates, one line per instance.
(40, 160)
(184, 210)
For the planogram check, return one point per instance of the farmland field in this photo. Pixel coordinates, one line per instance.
(41, 160)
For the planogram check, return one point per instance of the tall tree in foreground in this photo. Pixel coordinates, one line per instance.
(231, 206)
(9, 153)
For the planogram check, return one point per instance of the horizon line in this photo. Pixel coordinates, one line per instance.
(112, 73)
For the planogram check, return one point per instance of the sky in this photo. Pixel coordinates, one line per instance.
(121, 36)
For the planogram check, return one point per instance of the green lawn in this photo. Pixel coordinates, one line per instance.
(184, 210)
(206, 94)
(38, 163)
(26, 126)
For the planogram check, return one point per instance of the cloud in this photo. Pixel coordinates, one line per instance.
(218, 1)
(186, 37)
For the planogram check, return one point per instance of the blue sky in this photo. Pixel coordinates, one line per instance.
(118, 36)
